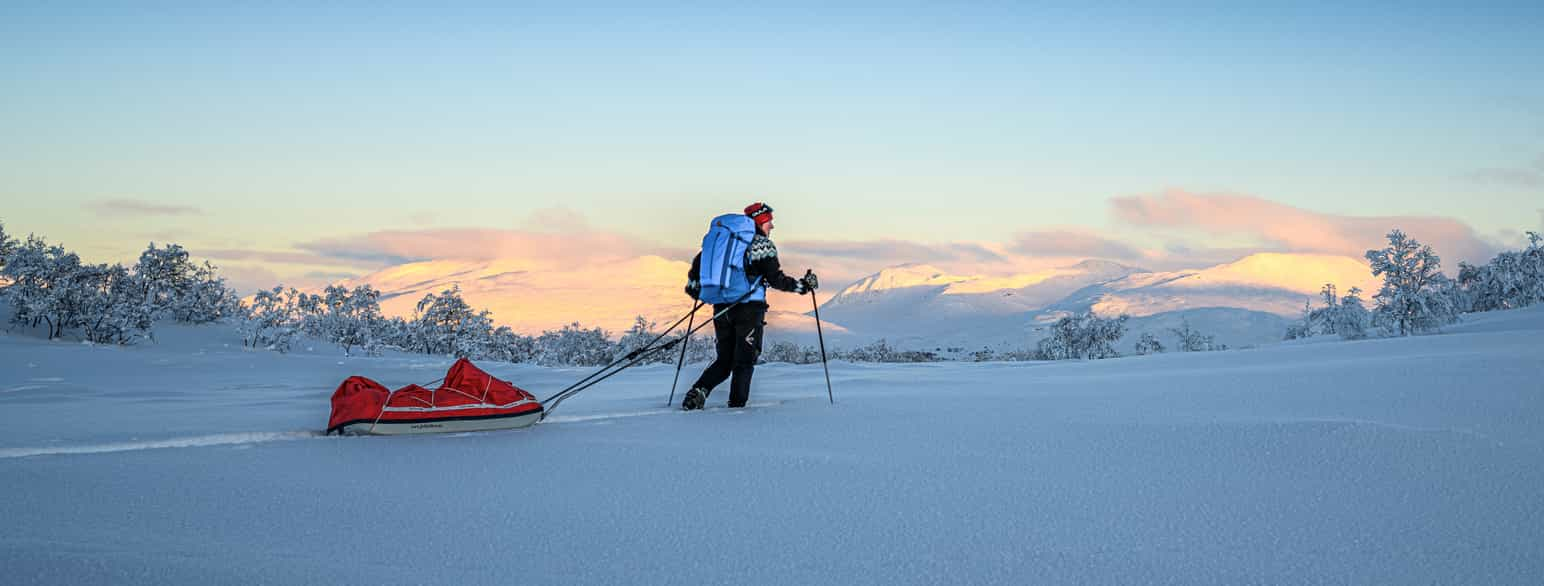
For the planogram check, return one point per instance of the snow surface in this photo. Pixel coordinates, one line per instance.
(1415, 460)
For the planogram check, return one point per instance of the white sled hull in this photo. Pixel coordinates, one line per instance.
(442, 425)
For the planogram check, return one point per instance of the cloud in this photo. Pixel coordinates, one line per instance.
(540, 248)
(277, 257)
(1289, 229)
(1521, 178)
(330, 276)
(559, 219)
(246, 279)
(900, 251)
(133, 208)
(842, 262)
(1526, 176)
(1072, 243)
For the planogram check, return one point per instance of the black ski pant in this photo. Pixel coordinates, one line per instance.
(738, 333)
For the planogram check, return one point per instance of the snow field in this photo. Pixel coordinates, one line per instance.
(1377, 461)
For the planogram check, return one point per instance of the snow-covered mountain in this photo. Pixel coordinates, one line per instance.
(921, 299)
(1267, 282)
(532, 297)
(1245, 302)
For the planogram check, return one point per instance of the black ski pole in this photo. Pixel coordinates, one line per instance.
(682, 360)
(634, 357)
(630, 356)
(822, 336)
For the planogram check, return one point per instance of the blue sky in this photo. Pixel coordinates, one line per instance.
(257, 126)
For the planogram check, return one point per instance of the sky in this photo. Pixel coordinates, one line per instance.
(308, 142)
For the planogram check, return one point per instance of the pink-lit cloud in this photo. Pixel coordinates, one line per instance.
(554, 266)
(249, 279)
(1072, 243)
(402, 246)
(1286, 228)
(899, 251)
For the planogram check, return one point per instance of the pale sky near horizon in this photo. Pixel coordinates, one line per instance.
(258, 126)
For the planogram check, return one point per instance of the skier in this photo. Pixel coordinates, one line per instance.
(739, 330)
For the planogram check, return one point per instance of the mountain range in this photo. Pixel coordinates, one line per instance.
(917, 306)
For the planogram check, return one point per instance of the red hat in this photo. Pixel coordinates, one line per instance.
(760, 212)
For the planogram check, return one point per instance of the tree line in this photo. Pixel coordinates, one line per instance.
(1417, 297)
(51, 288)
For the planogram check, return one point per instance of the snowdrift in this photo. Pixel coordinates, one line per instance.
(467, 400)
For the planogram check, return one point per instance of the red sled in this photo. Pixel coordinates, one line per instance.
(467, 400)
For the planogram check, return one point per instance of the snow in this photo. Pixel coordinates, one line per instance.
(1377, 461)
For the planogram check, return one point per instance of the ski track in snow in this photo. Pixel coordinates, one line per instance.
(228, 439)
(659, 411)
(224, 439)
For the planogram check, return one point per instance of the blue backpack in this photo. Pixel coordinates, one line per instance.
(722, 269)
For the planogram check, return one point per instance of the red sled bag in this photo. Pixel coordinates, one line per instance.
(467, 400)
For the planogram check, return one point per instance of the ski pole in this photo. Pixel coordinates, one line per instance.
(682, 360)
(638, 355)
(630, 356)
(822, 337)
(635, 357)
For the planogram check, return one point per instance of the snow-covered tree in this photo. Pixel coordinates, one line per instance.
(1510, 280)
(177, 288)
(207, 298)
(166, 275)
(1192, 340)
(640, 334)
(437, 321)
(352, 318)
(272, 320)
(1303, 328)
(1416, 297)
(785, 351)
(573, 345)
(507, 346)
(1345, 316)
(1085, 336)
(396, 332)
(1149, 344)
(42, 289)
(1322, 320)
(876, 351)
(703, 347)
(7, 246)
(473, 336)
(113, 312)
(1351, 318)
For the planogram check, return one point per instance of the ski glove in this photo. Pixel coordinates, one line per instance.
(810, 281)
(693, 289)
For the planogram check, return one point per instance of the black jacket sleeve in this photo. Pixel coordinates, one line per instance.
(764, 263)
(694, 277)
